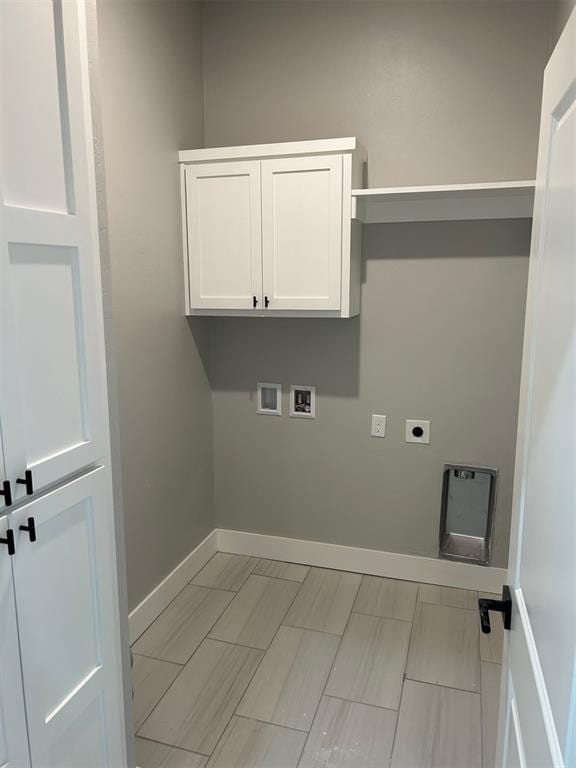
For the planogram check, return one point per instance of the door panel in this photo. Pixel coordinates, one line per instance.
(224, 235)
(51, 406)
(33, 155)
(13, 737)
(48, 327)
(538, 716)
(65, 584)
(302, 232)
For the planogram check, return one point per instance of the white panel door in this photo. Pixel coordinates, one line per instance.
(13, 736)
(538, 711)
(224, 235)
(51, 408)
(65, 583)
(302, 232)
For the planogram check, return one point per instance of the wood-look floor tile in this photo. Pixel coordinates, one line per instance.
(346, 734)
(150, 754)
(491, 645)
(437, 728)
(279, 570)
(288, 685)
(180, 629)
(450, 596)
(195, 711)
(256, 612)
(324, 601)
(490, 674)
(388, 598)
(151, 679)
(444, 648)
(252, 744)
(226, 571)
(369, 667)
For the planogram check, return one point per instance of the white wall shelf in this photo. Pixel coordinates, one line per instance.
(453, 202)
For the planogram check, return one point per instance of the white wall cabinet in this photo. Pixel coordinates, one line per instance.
(268, 229)
(61, 681)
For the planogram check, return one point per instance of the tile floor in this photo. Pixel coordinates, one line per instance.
(262, 664)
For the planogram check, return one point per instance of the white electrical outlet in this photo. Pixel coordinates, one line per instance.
(378, 425)
(417, 431)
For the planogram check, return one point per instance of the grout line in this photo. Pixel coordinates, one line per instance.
(393, 747)
(278, 578)
(441, 685)
(216, 589)
(377, 616)
(163, 744)
(307, 629)
(355, 701)
(238, 645)
(323, 693)
(255, 672)
(269, 722)
(183, 666)
(159, 658)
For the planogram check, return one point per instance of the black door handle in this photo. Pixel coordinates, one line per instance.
(9, 541)
(266, 301)
(7, 493)
(31, 528)
(27, 481)
(504, 606)
(254, 302)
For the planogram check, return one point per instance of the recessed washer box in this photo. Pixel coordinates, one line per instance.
(303, 401)
(269, 399)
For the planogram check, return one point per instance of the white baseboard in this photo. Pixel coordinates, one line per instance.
(370, 561)
(154, 603)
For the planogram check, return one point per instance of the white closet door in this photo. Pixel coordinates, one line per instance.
(224, 235)
(13, 737)
(49, 312)
(68, 625)
(302, 232)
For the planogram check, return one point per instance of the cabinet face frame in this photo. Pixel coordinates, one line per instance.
(195, 229)
(13, 736)
(280, 240)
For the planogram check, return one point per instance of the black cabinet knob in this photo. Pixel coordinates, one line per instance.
(266, 301)
(27, 481)
(254, 302)
(9, 541)
(7, 493)
(31, 528)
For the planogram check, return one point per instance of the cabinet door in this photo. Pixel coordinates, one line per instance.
(51, 381)
(302, 232)
(13, 736)
(65, 585)
(224, 235)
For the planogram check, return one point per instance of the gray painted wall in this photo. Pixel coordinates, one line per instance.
(439, 338)
(151, 81)
(438, 93)
(563, 9)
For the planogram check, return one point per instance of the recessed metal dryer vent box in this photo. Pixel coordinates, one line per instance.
(468, 496)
